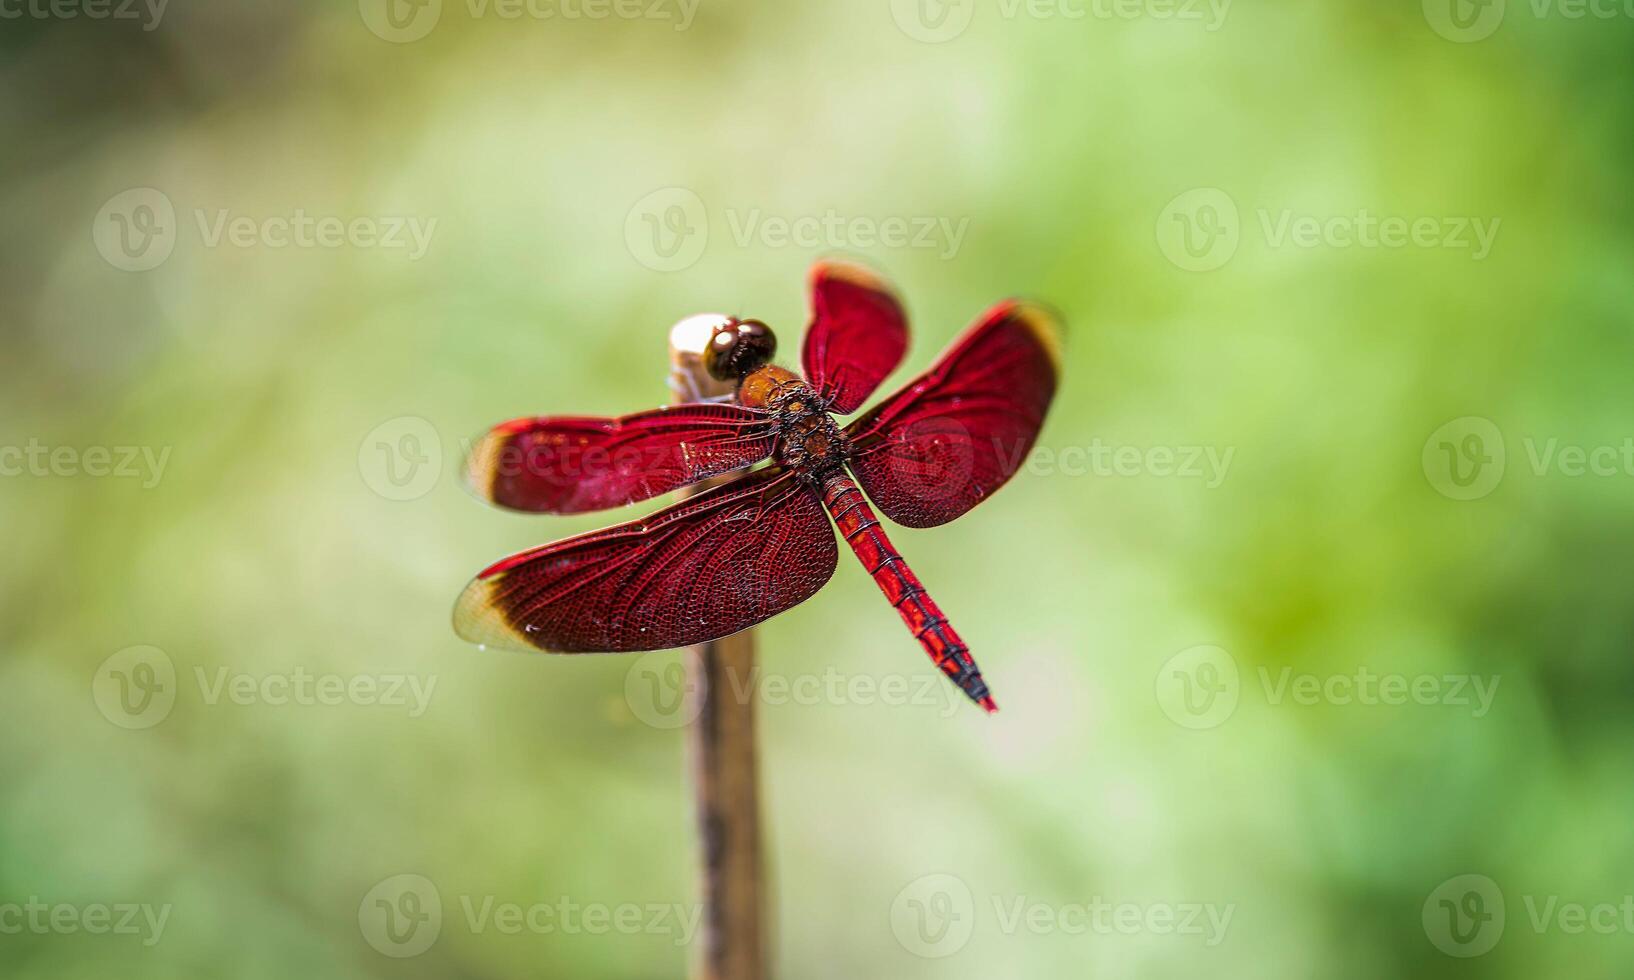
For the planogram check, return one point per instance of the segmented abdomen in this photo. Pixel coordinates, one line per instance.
(860, 529)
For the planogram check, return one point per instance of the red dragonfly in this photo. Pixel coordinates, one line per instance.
(734, 555)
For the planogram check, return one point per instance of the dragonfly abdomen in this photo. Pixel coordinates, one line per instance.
(861, 530)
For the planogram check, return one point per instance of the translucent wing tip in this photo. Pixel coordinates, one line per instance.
(850, 271)
(1041, 321)
(478, 619)
(483, 462)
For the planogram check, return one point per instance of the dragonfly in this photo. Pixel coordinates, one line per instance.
(737, 553)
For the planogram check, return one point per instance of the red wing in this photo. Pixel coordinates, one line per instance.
(569, 465)
(857, 336)
(952, 436)
(713, 564)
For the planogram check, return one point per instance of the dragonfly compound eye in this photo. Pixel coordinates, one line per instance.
(738, 347)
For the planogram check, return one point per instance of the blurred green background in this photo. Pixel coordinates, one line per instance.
(1402, 498)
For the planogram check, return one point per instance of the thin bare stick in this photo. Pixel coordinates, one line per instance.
(725, 779)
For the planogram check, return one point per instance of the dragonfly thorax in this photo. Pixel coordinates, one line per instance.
(775, 388)
(811, 440)
(808, 437)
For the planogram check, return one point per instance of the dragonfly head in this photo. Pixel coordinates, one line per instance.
(737, 348)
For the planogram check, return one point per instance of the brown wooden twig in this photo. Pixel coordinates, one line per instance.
(725, 777)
